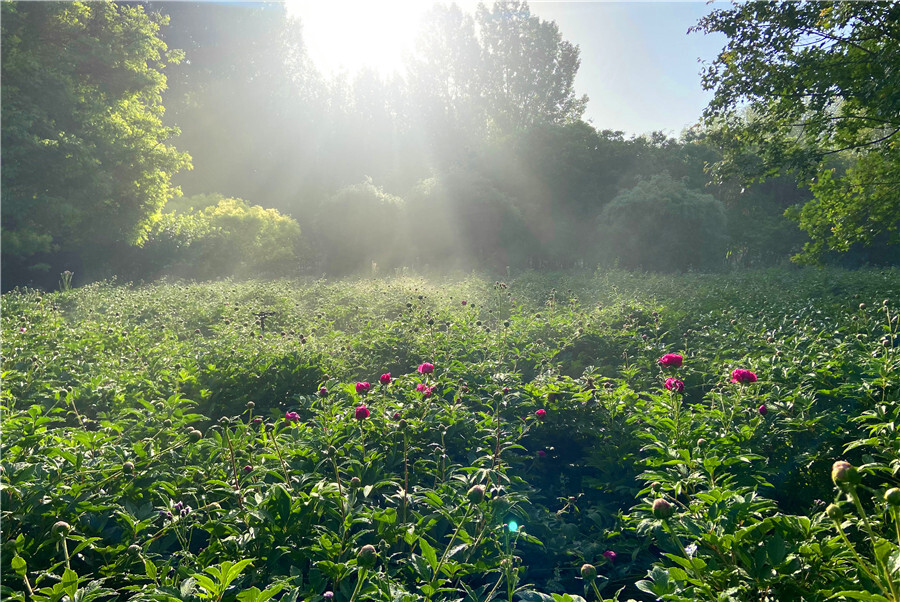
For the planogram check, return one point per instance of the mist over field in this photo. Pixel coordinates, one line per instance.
(346, 302)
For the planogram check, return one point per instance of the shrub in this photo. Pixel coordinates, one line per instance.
(663, 225)
(224, 238)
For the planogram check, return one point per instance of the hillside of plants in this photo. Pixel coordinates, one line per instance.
(553, 437)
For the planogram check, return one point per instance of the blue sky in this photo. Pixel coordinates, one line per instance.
(638, 64)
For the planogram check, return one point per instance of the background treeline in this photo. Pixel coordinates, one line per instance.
(477, 157)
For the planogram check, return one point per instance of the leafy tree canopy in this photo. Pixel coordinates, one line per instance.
(86, 162)
(814, 88)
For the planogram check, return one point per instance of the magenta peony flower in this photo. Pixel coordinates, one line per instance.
(673, 384)
(363, 388)
(292, 416)
(362, 412)
(541, 414)
(610, 555)
(396, 416)
(464, 302)
(763, 410)
(426, 368)
(541, 453)
(671, 360)
(742, 376)
(323, 392)
(248, 468)
(421, 387)
(385, 379)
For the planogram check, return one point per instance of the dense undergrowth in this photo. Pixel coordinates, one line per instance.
(210, 441)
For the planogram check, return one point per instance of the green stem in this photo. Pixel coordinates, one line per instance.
(684, 553)
(362, 577)
(596, 590)
(881, 566)
(452, 539)
(859, 559)
(65, 548)
(287, 479)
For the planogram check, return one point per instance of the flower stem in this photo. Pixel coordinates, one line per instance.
(359, 582)
(862, 563)
(452, 539)
(881, 567)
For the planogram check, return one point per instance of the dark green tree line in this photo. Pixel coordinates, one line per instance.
(87, 161)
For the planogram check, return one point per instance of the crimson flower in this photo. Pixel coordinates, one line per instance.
(673, 384)
(671, 360)
(363, 388)
(742, 376)
(426, 368)
(610, 555)
(362, 412)
(541, 414)
(763, 410)
(292, 416)
(385, 379)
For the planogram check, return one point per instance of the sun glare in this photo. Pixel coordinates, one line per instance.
(352, 34)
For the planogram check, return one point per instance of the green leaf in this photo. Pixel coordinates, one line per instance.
(429, 553)
(18, 565)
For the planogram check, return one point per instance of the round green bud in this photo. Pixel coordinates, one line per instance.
(60, 529)
(355, 483)
(892, 497)
(367, 556)
(134, 549)
(834, 512)
(128, 467)
(662, 509)
(475, 494)
(588, 572)
(195, 435)
(844, 474)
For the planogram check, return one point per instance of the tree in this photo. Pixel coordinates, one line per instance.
(527, 70)
(86, 164)
(661, 224)
(801, 84)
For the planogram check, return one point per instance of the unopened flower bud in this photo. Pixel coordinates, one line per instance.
(355, 483)
(367, 556)
(195, 435)
(475, 494)
(60, 529)
(588, 572)
(892, 497)
(843, 473)
(834, 512)
(662, 509)
(128, 467)
(134, 549)
(250, 405)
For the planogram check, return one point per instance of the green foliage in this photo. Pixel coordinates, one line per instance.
(661, 224)
(361, 228)
(226, 237)
(86, 159)
(104, 388)
(800, 82)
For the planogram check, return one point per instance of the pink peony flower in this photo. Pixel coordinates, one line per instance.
(610, 555)
(421, 387)
(362, 412)
(671, 360)
(323, 392)
(385, 378)
(541, 414)
(464, 302)
(742, 376)
(426, 368)
(292, 416)
(248, 468)
(763, 410)
(363, 388)
(673, 384)
(396, 416)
